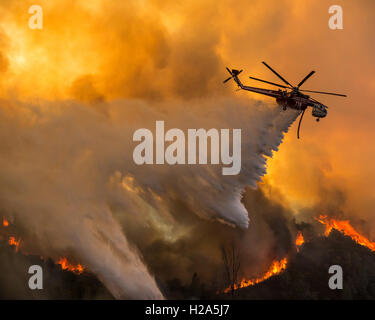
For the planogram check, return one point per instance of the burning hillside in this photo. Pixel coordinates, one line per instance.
(306, 275)
(300, 275)
(342, 227)
(62, 279)
(15, 242)
(275, 269)
(277, 266)
(347, 229)
(65, 265)
(58, 283)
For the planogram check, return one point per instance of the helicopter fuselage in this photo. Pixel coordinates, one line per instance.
(289, 99)
(299, 101)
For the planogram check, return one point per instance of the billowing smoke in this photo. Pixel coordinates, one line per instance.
(66, 168)
(68, 178)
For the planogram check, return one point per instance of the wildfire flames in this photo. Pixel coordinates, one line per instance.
(345, 227)
(276, 268)
(5, 222)
(63, 262)
(13, 242)
(300, 240)
(65, 265)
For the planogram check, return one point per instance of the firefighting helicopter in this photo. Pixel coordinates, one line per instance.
(294, 99)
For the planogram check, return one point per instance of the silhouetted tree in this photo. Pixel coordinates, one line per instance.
(232, 263)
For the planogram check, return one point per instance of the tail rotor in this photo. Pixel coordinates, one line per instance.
(233, 73)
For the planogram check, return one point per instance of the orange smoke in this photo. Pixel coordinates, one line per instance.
(13, 242)
(65, 265)
(5, 222)
(345, 228)
(276, 268)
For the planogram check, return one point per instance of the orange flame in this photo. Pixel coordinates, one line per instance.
(13, 242)
(299, 240)
(5, 222)
(276, 268)
(63, 262)
(65, 265)
(345, 227)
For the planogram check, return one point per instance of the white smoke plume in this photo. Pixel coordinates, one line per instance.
(66, 168)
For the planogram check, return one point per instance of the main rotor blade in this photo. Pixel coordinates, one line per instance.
(226, 80)
(330, 93)
(275, 84)
(277, 74)
(305, 78)
(299, 124)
